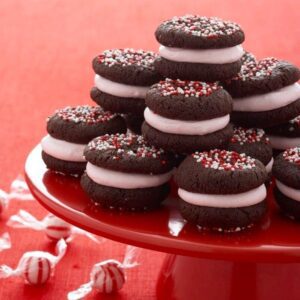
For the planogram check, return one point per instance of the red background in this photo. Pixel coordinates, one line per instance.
(45, 63)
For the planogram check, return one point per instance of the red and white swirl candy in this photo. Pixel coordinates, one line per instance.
(54, 227)
(36, 267)
(107, 276)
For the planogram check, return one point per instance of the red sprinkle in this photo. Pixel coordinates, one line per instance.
(175, 87)
(254, 70)
(84, 114)
(224, 160)
(127, 57)
(125, 145)
(249, 135)
(292, 155)
(295, 122)
(208, 27)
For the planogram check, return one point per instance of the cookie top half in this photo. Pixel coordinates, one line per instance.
(196, 32)
(188, 100)
(80, 124)
(128, 153)
(289, 129)
(286, 167)
(253, 142)
(220, 172)
(128, 66)
(263, 76)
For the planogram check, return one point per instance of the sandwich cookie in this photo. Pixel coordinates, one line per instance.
(285, 136)
(69, 131)
(248, 57)
(199, 48)
(134, 122)
(254, 143)
(186, 116)
(122, 79)
(222, 190)
(286, 170)
(126, 173)
(265, 93)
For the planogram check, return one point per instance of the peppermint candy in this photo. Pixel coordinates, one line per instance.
(36, 267)
(54, 227)
(107, 276)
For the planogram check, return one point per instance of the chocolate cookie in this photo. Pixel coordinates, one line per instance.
(185, 116)
(286, 170)
(199, 48)
(222, 190)
(286, 135)
(248, 57)
(265, 93)
(69, 130)
(134, 122)
(254, 143)
(117, 104)
(124, 172)
(122, 79)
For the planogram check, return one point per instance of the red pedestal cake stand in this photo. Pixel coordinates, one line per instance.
(258, 264)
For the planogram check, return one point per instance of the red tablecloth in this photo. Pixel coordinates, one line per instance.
(45, 63)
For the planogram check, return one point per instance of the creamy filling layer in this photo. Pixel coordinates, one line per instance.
(120, 89)
(268, 101)
(185, 127)
(207, 56)
(282, 143)
(125, 180)
(245, 199)
(288, 191)
(63, 150)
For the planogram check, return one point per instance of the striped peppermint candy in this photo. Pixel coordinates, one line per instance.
(37, 269)
(108, 276)
(56, 228)
(36, 266)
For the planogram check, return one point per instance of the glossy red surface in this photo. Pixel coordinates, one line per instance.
(185, 277)
(276, 239)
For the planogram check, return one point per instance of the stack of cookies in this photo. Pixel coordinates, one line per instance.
(198, 110)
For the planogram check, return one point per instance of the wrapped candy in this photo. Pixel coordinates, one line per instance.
(107, 276)
(18, 191)
(36, 267)
(5, 242)
(54, 227)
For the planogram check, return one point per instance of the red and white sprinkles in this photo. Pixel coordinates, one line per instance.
(252, 70)
(127, 57)
(176, 87)
(208, 27)
(84, 114)
(249, 135)
(248, 58)
(224, 160)
(292, 155)
(295, 122)
(125, 145)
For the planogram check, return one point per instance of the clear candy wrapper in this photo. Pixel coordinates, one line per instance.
(107, 276)
(5, 242)
(54, 227)
(36, 267)
(18, 191)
